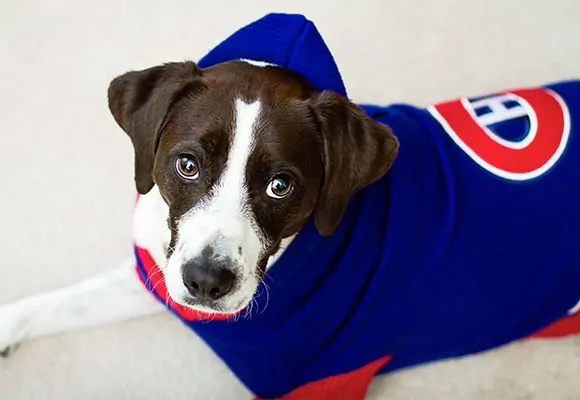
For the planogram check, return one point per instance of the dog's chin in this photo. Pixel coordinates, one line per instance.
(214, 307)
(231, 304)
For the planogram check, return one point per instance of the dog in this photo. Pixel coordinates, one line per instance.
(314, 243)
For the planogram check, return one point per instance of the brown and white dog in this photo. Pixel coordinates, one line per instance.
(230, 162)
(248, 135)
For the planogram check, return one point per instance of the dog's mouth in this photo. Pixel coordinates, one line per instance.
(235, 301)
(215, 307)
(207, 306)
(226, 306)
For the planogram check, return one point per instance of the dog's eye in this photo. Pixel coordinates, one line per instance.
(187, 167)
(280, 187)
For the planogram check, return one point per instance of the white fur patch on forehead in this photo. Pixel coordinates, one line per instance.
(223, 221)
(232, 188)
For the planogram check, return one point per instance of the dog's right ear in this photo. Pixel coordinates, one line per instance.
(357, 151)
(140, 101)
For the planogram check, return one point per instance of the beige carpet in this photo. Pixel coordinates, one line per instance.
(66, 169)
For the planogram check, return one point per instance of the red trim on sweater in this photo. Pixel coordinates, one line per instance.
(569, 325)
(352, 385)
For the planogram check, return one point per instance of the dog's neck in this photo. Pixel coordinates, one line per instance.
(283, 246)
(150, 230)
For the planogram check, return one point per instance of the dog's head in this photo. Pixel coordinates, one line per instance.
(243, 155)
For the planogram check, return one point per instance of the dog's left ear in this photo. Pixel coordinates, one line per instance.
(357, 151)
(140, 101)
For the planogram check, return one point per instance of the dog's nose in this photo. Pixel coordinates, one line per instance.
(205, 281)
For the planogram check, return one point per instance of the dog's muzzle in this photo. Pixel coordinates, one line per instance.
(208, 277)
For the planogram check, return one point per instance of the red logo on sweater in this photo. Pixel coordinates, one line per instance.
(536, 121)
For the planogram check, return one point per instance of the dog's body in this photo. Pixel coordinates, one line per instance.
(360, 313)
(391, 270)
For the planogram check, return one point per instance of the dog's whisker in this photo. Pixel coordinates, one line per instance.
(169, 247)
(234, 318)
(149, 277)
(267, 289)
(157, 284)
(248, 310)
(256, 305)
(169, 300)
(266, 275)
(153, 275)
(206, 318)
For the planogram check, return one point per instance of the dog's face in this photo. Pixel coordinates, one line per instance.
(243, 155)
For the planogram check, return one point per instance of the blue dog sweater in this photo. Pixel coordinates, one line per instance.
(471, 240)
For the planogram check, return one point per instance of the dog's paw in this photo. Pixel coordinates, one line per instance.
(14, 325)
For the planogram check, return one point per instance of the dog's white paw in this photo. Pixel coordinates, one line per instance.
(14, 326)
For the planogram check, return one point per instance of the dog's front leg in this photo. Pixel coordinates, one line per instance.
(114, 296)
